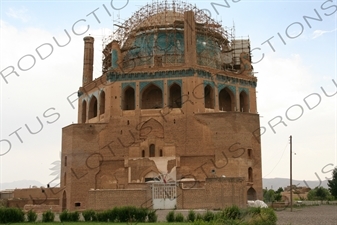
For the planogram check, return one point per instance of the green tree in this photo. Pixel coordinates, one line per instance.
(319, 193)
(322, 193)
(333, 183)
(269, 195)
(279, 190)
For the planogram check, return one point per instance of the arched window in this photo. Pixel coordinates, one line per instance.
(143, 153)
(84, 111)
(175, 96)
(209, 97)
(250, 174)
(152, 150)
(152, 97)
(92, 107)
(129, 99)
(226, 100)
(102, 103)
(244, 102)
(161, 152)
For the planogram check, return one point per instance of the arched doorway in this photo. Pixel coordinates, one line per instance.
(251, 194)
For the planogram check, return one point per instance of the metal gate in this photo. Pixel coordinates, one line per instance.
(164, 196)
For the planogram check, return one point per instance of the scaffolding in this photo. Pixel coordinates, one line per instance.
(155, 33)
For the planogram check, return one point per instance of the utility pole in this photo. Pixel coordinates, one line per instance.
(291, 174)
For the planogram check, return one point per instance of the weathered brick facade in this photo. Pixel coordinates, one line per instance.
(177, 115)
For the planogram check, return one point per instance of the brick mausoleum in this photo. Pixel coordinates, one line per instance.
(172, 121)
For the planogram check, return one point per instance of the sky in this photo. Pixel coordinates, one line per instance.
(294, 49)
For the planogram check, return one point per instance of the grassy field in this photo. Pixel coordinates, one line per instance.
(97, 223)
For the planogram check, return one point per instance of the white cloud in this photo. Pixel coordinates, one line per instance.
(20, 14)
(318, 33)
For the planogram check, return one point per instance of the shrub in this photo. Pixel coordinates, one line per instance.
(152, 216)
(74, 216)
(11, 215)
(232, 212)
(48, 216)
(262, 216)
(88, 215)
(199, 217)
(170, 216)
(191, 216)
(31, 216)
(113, 214)
(208, 216)
(179, 217)
(132, 214)
(102, 216)
(69, 216)
(64, 216)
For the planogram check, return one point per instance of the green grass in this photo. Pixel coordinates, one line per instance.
(95, 223)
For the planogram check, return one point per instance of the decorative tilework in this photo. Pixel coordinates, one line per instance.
(131, 84)
(244, 89)
(170, 82)
(158, 83)
(208, 82)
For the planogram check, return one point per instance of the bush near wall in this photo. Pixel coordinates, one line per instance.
(11, 215)
(121, 214)
(89, 215)
(66, 216)
(48, 216)
(31, 216)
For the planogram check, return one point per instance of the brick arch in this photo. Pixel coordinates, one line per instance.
(251, 194)
(92, 107)
(84, 111)
(129, 98)
(102, 103)
(226, 100)
(209, 96)
(152, 128)
(152, 97)
(244, 101)
(147, 171)
(175, 96)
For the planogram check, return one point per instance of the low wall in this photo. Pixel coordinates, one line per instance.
(107, 199)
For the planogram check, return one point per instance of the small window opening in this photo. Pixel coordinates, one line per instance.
(249, 151)
(152, 150)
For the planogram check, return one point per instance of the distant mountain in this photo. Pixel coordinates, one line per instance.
(275, 183)
(270, 183)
